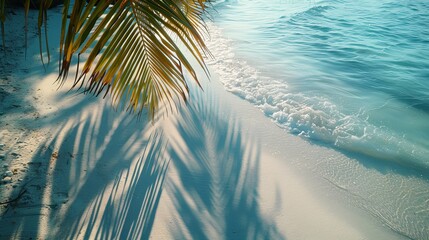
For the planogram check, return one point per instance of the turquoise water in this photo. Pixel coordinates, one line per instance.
(353, 75)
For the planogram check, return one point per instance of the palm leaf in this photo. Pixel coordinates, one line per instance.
(26, 9)
(132, 49)
(43, 21)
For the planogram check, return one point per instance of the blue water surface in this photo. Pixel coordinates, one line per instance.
(350, 74)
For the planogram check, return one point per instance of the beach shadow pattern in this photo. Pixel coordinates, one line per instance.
(100, 175)
(119, 196)
(216, 195)
(124, 209)
(116, 172)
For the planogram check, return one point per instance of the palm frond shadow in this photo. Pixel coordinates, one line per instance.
(216, 196)
(115, 172)
(126, 210)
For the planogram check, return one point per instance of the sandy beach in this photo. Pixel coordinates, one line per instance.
(73, 167)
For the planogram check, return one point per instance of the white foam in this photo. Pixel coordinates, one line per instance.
(312, 117)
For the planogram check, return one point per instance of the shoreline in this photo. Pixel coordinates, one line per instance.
(217, 169)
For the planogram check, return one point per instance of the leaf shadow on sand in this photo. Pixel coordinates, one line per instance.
(216, 194)
(116, 169)
(113, 168)
(115, 173)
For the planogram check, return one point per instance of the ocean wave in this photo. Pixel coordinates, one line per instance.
(312, 117)
(317, 10)
(352, 77)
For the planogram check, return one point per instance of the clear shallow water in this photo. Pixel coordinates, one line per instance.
(350, 74)
(353, 75)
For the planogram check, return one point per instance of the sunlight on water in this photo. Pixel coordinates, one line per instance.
(351, 74)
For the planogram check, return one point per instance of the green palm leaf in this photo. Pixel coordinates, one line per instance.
(132, 50)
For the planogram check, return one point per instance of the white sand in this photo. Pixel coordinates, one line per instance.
(217, 169)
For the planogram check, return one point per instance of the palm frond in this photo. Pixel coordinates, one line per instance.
(43, 21)
(26, 9)
(132, 50)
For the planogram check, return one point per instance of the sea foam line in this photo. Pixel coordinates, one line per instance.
(311, 117)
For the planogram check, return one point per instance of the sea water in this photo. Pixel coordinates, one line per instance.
(349, 75)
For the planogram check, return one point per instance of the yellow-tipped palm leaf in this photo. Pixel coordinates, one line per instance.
(43, 6)
(132, 49)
